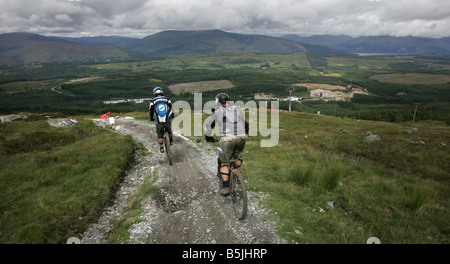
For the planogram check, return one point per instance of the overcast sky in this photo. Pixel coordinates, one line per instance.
(140, 18)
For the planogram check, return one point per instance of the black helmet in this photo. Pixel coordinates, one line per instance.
(222, 98)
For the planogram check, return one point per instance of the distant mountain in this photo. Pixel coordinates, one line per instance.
(378, 44)
(26, 48)
(329, 41)
(113, 41)
(211, 41)
(396, 45)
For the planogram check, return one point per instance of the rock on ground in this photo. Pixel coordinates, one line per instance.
(10, 118)
(62, 122)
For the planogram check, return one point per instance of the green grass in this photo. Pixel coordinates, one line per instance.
(391, 189)
(331, 177)
(300, 175)
(55, 181)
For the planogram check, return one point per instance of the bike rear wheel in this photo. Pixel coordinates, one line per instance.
(167, 147)
(220, 181)
(238, 194)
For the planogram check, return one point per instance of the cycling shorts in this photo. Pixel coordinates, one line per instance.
(160, 127)
(231, 147)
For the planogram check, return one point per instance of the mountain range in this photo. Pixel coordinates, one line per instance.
(378, 44)
(27, 48)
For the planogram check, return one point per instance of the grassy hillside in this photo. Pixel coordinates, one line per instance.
(26, 48)
(326, 185)
(55, 181)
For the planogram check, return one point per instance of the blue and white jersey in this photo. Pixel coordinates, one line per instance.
(161, 108)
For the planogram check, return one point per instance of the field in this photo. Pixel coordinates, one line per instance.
(364, 63)
(393, 83)
(412, 78)
(198, 87)
(311, 86)
(235, 60)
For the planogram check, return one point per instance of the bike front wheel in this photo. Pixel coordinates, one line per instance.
(238, 194)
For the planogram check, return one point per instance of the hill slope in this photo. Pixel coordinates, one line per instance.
(330, 186)
(113, 41)
(26, 48)
(211, 41)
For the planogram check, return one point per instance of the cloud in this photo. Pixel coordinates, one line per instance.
(63, 18)
(139, 18)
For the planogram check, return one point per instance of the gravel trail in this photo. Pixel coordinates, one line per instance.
(189, 208)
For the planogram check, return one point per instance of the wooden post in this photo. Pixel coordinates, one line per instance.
(414, 117)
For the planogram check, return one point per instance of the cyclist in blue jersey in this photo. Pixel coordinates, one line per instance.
(161, 112)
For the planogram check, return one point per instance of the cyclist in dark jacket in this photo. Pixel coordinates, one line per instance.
(161, 112)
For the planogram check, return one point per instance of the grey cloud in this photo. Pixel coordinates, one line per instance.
(143, 17)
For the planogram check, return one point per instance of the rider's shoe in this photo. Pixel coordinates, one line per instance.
(225, 191)
(161, 149)
(171, 142)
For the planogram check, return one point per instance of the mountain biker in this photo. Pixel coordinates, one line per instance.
(233, 129)
(161, 112)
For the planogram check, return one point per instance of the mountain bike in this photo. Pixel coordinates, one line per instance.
(238, 191)
(169, 153)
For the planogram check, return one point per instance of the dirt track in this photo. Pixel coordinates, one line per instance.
(189, 208)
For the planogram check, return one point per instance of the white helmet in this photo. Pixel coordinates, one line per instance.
(158, 91)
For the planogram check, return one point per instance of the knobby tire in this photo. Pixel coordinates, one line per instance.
(167, 147)
(238, 194)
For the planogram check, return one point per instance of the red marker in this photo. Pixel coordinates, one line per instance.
(105, 115)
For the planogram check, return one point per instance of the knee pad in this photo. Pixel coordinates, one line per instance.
(236, 167)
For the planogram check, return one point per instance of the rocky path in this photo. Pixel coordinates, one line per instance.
(189, 208)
